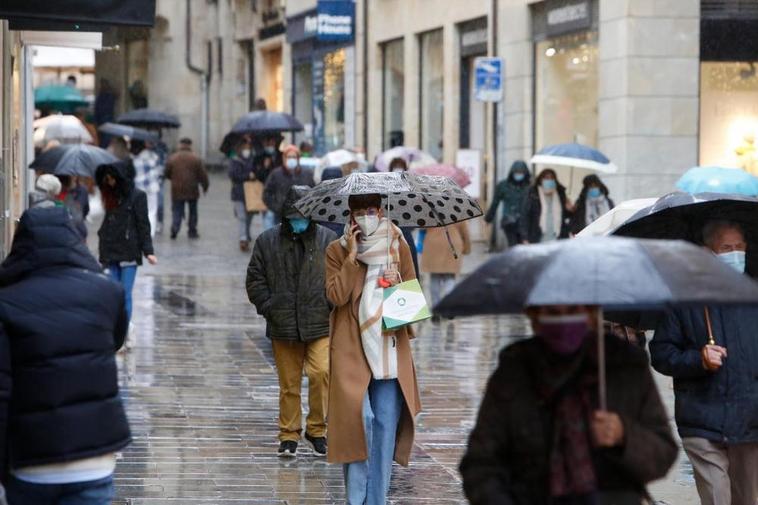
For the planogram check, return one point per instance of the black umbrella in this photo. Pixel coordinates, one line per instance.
(134, 133)
(264, 121)
(616, 274)
(72, 159)
(149, 118)
(419, 201)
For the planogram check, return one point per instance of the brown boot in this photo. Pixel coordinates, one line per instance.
(244, 245)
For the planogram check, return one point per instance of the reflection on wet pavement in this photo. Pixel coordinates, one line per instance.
(202, 396)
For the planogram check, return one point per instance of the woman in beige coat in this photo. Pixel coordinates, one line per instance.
(437, 258)
(369, 418)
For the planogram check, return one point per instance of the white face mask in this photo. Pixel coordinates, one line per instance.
(398, 170)
(735, 259)
(291, 163)
(245, 153)
(367, 224)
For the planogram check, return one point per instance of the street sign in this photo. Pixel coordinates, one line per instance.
(488, 79)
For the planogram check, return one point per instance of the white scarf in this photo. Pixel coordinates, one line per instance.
(595, 207)
(379, 348)
(557, 216)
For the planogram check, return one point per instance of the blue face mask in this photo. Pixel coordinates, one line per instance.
(594, 193)
(735, 259)
(549, 184)
(299, 224)
(519, 176)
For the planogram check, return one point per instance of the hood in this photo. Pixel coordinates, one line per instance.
(330, 173)
(122, 171)
(45, 237)
(519, 166)
(295, 193)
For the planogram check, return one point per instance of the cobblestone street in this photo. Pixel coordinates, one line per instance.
(202, 395)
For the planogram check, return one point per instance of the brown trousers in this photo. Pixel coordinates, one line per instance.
(724, 474)
(291, 359)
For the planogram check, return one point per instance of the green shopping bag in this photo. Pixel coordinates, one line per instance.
(404, 304)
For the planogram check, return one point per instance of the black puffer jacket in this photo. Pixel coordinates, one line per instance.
(286, 281)
(125, 232)
(61, 321)
(507, 461)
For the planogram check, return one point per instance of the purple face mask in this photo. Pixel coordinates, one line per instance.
(563, 334)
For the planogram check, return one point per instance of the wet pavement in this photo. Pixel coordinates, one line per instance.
(202, 396)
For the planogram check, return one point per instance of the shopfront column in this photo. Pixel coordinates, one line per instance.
(648, 93)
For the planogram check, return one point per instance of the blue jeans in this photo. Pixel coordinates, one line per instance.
(126, 276)
(96, 492)
(244, 218)
(368, 482)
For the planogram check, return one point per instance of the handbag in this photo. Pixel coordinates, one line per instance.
(404, 304)
(254, 196)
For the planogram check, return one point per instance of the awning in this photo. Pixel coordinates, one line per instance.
(76, 14)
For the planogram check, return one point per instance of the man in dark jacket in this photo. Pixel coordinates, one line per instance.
(540, 438)
(282, 179)
(186, 171)
(286, 282)
(61, 322)
(716, 383)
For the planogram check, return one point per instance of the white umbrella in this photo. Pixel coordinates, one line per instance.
(65, 128)
(338, 158)
(615, 217)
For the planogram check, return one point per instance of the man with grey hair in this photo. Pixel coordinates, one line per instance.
(712, 354)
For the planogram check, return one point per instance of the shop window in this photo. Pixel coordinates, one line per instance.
(431, 92)
(566, 90)
(729, 114)
(302, 98)
(393, 93)
(334, 100)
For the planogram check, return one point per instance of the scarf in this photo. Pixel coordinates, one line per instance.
(380, 349)
(595, 207)
(557, 215)
(568, 387)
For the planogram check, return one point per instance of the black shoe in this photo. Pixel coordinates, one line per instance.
(193, 235)
(174, 234)
(287, 449)
(318, 444)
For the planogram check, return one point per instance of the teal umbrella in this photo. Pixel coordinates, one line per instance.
(60, 98)
(733, 181)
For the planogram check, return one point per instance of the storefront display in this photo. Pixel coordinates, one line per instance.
(393, 93)
(431, 92)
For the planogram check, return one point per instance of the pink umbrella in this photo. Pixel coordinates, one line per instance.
(458, 176)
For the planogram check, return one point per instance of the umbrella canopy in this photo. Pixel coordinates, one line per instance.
(420, 201)
(59, 97)
(617, 274)
(65, 128)
(149, 118)
(718, 180)
(134, 133)
(72, 159)
(416, 158)
(615, 217)
(340, 157)
(574, 155)
(264, 121)
(458, 176)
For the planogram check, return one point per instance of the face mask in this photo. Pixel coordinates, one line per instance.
(594, 193)
(563, 334)
(299, 224)
(269, 149)
(519, 176)
(367, 224)
(291, 163)
(549, 185)
(735, 259)
(398, 170)
(245, 153)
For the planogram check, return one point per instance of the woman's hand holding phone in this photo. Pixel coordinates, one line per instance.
(352, 241)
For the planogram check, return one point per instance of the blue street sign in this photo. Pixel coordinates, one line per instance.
(488, 79)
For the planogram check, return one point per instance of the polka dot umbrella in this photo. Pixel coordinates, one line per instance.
(418, 201)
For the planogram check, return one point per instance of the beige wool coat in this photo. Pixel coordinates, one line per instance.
(437, 257)
(350, 372)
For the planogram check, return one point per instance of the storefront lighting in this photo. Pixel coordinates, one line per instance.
(575, 60)
(550, 52)
(585, 58)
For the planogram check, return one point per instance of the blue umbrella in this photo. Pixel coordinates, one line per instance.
(574, 155)
(734, 181)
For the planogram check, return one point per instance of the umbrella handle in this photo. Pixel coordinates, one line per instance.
(711, 340)
(450, 243)
(601, 380)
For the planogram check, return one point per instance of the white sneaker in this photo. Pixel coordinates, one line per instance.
(129, 340)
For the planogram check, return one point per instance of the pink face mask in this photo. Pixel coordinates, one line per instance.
(563, 334)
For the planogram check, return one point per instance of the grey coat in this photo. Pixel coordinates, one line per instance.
(286, 282)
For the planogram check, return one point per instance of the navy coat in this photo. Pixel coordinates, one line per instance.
(61, 322)
(721, 406)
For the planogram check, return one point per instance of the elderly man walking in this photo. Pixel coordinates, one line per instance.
(186, 171)
(712, 354)
(286, 282)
